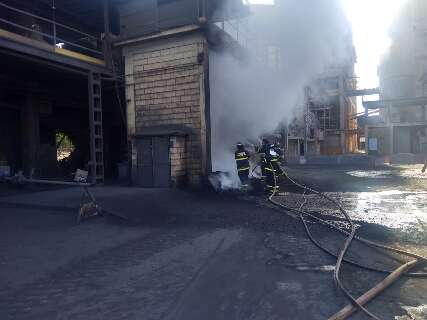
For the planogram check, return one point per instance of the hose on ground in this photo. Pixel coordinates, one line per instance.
(316, 243)
(302, 213)
(343, 251)
(360, 239)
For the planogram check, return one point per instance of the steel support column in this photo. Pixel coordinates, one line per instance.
(96, 166)
(343, 115)
(108, 55)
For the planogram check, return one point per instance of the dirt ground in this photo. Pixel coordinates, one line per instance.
(199, 255)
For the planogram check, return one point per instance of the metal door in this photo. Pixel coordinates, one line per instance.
(145, 163)
(153, 162)
(161, 162)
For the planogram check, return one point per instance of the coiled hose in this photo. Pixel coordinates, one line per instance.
(351, 236)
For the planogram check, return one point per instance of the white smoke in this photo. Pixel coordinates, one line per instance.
(400, 69)
(248, 98)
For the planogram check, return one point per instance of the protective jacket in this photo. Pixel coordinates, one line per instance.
(243, 166)
(242, 160)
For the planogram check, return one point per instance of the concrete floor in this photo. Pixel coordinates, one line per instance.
(186, 255)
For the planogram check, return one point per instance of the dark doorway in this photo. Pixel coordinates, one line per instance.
(302, 148)
(153, 162)
(10, 138)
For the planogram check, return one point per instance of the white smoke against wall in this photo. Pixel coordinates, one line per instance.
(249, 99)
(399, 69)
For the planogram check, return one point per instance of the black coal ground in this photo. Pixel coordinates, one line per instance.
(199, 255)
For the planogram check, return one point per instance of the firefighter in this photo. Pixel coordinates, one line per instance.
(262, 150)
(276, 159)
(269, 171)
(243, 166)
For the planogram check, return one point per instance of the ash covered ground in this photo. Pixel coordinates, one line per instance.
(199, 255)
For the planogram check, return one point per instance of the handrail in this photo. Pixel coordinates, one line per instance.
(47, 20)
(25, 28)
(79, 46)
(52, 37)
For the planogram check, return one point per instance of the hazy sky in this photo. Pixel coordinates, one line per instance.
(370, 20)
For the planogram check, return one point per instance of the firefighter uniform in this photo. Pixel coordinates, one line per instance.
(271, 180)
(262, 151)
(276, 158)
(263, 164)
(242, 164)
(270, 167)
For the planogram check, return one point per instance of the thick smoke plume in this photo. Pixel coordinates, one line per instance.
(248, 98)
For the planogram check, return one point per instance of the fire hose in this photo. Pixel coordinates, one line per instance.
(351, 236)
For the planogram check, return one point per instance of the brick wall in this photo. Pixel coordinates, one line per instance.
(166, 81)
(178, 155)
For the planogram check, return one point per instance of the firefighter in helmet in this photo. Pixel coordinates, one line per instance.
(262, 151)
(267, 166)
(242, 164)
(276, 159)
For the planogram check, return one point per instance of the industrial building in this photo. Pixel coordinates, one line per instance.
(57, 83)
(121, 81)
(398, 121)
(325, 122)
(330, 118)
(166, 48)
(123, 88)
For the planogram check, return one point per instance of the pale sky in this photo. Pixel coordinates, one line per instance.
(371, 20)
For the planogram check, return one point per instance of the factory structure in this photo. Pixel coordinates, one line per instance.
(397, 122)
(57, 89)
(326, 124)
(122, 88)
(330, 123)
(123, 84)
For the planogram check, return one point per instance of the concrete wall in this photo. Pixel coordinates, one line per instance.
(295, 146)
(293, 149)
(331, 145)
(30, 126)
(178, 155)
(402, 140)
(165, 86)
(10, 138)
(143, 17)
(383, 136)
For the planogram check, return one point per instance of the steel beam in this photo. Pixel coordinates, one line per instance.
(43, 62)
(362, 92)
(18, 49)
